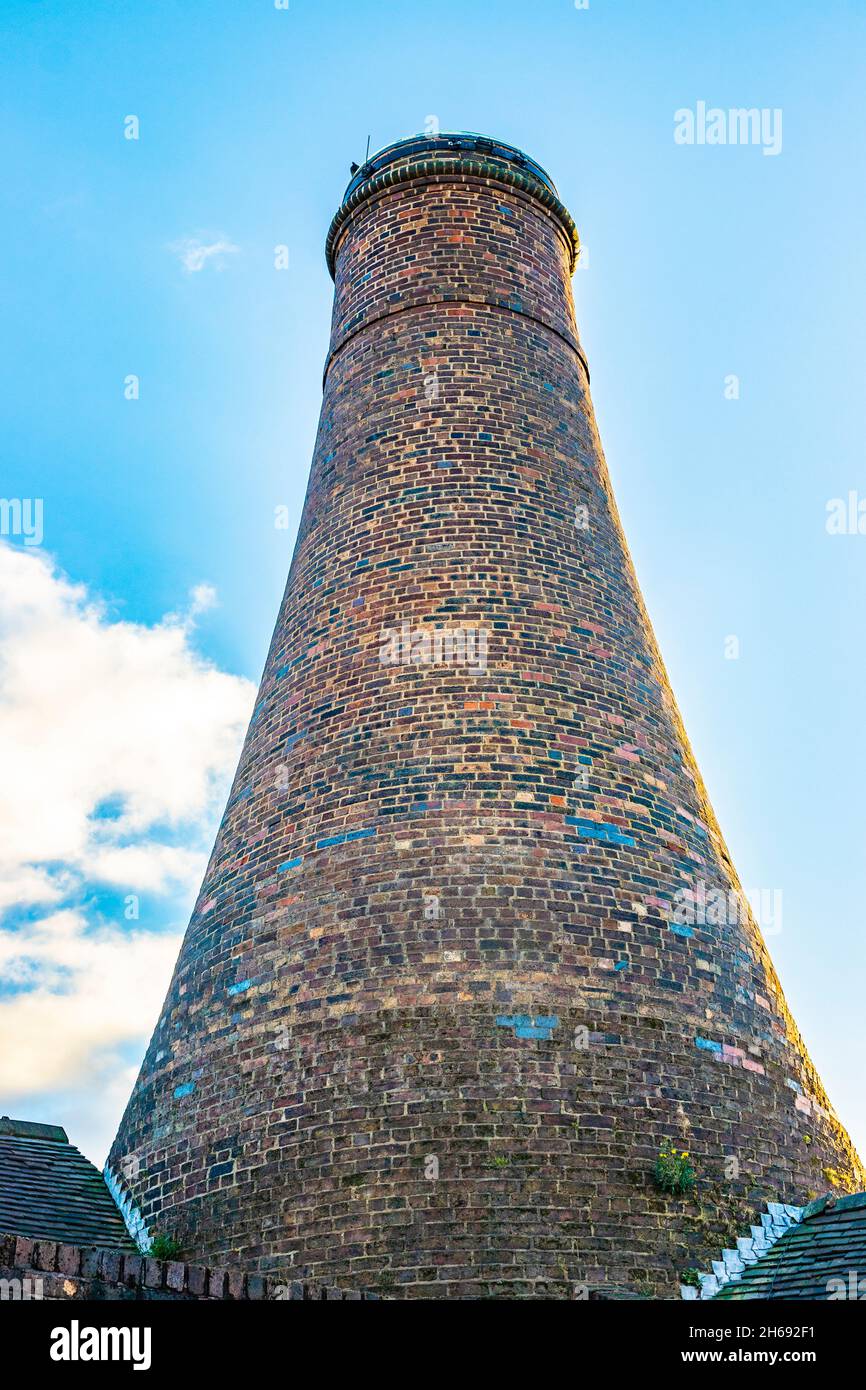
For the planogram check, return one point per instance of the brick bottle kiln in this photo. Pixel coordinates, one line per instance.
(439, 1004)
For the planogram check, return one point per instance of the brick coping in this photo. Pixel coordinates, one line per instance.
(84, 1272)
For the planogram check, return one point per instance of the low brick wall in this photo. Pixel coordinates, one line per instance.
(43, 1269)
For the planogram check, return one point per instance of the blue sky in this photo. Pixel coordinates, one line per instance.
(161, 569)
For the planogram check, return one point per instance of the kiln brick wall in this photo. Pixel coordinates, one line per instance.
(434, 1016)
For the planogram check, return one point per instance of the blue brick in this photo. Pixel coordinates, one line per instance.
(185, 1090)
(525, 1026)
(599, 830)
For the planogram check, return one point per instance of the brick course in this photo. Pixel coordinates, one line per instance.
(438, 922)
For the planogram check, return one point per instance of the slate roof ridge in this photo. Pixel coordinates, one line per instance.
(776, 1221)
(31, 1129)
(812, 1252)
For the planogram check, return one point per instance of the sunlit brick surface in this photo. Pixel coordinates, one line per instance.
(437, 933)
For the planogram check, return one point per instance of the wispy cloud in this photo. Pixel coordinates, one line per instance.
(195, 254)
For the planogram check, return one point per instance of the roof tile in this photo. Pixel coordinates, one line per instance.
(49, 1191)
(829, 1243)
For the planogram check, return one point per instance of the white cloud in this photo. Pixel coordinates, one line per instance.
(117, 742)
(203, 597)
(150, 867)
(84, 993)
(194, 254)
(28, 886)
(96, 713)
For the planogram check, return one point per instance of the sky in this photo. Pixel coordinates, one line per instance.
(160, 380)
